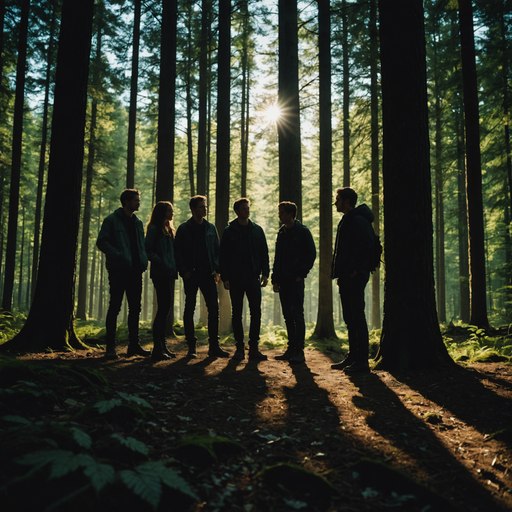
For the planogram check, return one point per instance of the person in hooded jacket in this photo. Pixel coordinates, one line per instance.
(160, 250)
(351, 265)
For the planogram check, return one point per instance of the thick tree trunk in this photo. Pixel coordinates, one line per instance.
(244, 104)
(324, 323)
(17, 135)
(188, 87)
(411, 337)
(473, 170)
(346, 97)
(288, 124)
(132, 114)
(50, 321)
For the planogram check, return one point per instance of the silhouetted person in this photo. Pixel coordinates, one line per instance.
(294, 258)
(197, 261)
(160, 250)
(351, 265)
(121, 238)
(243, 259)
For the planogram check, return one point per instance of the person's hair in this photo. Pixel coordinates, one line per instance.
(158, 219)
(347, 193)
(240, 202)
(288, 207)
(128, 194)
(195, 200)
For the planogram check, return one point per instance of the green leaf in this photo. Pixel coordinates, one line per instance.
(145, 482)
(132, 444)
(82, 438)
(107, 405)
(136, 399)
(17, 419)
(42, 458)
(69, 463)
(100, 474)
(174, 481)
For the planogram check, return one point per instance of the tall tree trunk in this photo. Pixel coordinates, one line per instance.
(288, 125)
(22, 251)
(324, 323)
(203, 95)
(86, 223)
(346, 97)
(17, 135)
(409, 302)
(473, 169)
(42, 157)
(374, 122)
(92, 284)
(244, 104)
(50, 321)
(223, 145)
(188, 87)
(132, 114)
(166, 120)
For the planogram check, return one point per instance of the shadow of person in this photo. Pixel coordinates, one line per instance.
(412, 443)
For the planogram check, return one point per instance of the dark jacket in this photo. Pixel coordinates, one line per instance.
(185, 246)
(160, 251)
(231, 251)
(114, 241)
(354, 242)
(295, 253)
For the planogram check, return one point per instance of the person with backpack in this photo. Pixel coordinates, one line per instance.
(352, 263)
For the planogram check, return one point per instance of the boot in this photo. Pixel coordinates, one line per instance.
(298, 357)
(157, 353)
(216, 351)
(134, 349)
(343, 364)
(255, 354)
(110, 352)
(191, 349)
(288, 354)
(240, 352)
(358, 367)
(165, 350)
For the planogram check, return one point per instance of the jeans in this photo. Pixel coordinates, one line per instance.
(163, 289)
(205, 283)
(352, 301)
(252, 288)
(291, 294)
(121, 281)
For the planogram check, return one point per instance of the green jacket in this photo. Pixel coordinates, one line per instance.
(160, 251)
(114, 241)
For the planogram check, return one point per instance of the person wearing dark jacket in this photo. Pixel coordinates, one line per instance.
(121, 238)
(351, 266)
(160, 250)
(243, 259)
(197, 261)
(294, 258)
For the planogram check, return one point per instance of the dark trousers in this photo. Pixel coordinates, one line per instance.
(291, 294)
(163, 289)
(252, 288)
(121, 281)
(205, 283)
(352, 301)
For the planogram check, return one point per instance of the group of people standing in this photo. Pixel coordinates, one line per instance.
(241, 260)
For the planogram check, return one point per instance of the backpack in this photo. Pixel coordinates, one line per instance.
(376, 254)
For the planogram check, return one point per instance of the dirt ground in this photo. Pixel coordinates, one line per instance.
(435, 426)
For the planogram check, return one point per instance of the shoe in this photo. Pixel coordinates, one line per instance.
(110, 352)
(239, 354)
(357, 368)
(298, 357)
(289, 353)
(192, 353)
(256, 355)
(158, 354)
(165, 350)
(134, 349)
(343, 364)
(216, 351)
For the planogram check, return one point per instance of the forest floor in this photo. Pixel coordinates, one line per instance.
(437, 427)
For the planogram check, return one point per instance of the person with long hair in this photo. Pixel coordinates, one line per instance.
(160, 250)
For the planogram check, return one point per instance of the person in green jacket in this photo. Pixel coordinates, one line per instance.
(121, 238)
(160, 250)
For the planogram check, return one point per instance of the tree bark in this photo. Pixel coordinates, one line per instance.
(411, 337)
(474, 199)
(17, 135)
(346, 97)
(50, 321)
(324, 323)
